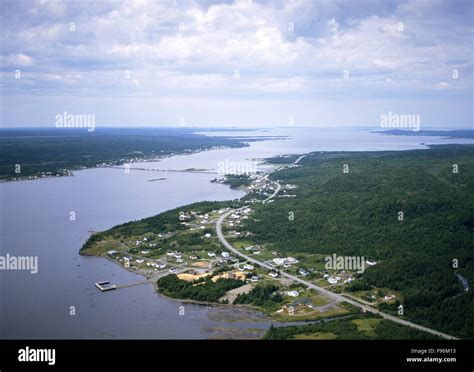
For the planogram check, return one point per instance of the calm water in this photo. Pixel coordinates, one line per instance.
(34, 220)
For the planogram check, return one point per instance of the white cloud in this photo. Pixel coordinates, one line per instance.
(166, 60)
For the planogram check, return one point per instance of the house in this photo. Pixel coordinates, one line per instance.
(211, 254)
(139, 261)
(256, 253)
(248, 267)
(293, 293)
(225, 254)
(273, 274)
(126, 262)
(278, 261)
(303, 272)
(145, 252)
(291, 260)
(112, 253)
(254, 279)
(208, 235)
(332, 281)
(297, 305)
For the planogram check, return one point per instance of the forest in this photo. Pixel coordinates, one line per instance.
(53, 150)
(357, 213)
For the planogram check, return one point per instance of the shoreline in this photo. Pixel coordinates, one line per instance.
(148, 159)
(256, 310)
(230, 306)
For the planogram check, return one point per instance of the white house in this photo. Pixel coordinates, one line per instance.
(278, 261)
(248, 267)
(293, 293)
(225, 254)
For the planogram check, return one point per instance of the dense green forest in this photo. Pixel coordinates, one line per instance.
(203, 289)
(236, 181)
(52, 150)
(357, 327)
(357, 213)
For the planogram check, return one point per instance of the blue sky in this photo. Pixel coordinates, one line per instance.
(237, 63)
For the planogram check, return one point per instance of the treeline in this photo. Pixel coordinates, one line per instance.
(52, 149)
(263, 295)
(357, 214)
(346, 329)
(236, 181)
(203, 289)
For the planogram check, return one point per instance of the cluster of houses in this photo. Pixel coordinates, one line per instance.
(158, 266)
(203, 219)
(176, 255)
(144, 241)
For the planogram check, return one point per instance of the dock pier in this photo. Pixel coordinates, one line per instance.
(103, 287)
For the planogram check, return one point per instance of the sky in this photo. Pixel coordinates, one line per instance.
(241, 63)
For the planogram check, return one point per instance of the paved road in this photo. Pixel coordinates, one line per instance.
(325, 292)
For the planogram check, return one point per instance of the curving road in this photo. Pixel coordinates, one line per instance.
(323, 291)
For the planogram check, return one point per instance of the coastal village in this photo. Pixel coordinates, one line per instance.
(194, 253)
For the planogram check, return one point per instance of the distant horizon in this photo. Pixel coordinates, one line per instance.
(273, 62)
(249, 128)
